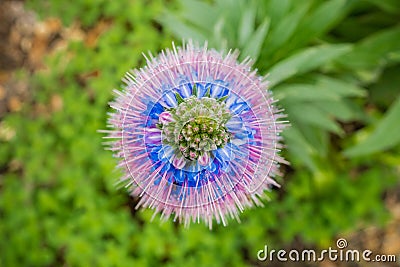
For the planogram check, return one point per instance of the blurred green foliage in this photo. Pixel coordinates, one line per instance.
(334, 66)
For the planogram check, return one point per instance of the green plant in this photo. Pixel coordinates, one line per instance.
(323, 58)
(334, 66)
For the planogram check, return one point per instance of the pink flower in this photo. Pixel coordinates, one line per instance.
(204, 159)
(197, 134)
(165, 117)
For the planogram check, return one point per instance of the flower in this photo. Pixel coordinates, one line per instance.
(197, 134)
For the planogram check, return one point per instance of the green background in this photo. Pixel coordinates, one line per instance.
(334, 65)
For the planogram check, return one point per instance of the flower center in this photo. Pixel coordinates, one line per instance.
(200, 135)
(196, 127)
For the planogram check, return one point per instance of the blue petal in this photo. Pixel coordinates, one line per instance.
(201, 90)
(166, 152)
(153, 110)
(232, 98)
(251, 132)
(150, 123)
(242, 135)
(196, 178)
(224, 154)
(219, 89)
(212, 167)
(239, 107)
(185, 90)
(165, 168)
(179, 176)
(169, 99)
(156, 111)
(184, 86)
(234, 124)
(190, 176)
(154, 153)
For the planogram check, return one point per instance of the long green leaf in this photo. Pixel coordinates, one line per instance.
(246, 27)
(386, 134)
(317, 137)
(306, 60)
(284, 29)
(339, 87)
(230, 11)
(390, 6)
(305, 113)
(253, 46)
(324, 88)
(320, 21)
(374, 50)
(192, 10)
(277, 9)
(299, 146)
(181, 29)
(304, 92)
(344, 110)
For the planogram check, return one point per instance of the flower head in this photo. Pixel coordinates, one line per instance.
(197, 133)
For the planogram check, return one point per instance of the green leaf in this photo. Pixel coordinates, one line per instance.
(321, 88)
(339, 87)
(246, 27)
(229, 13)
(194, 90)
(284, 30)
(387, 88)
(303, 92)
(192, 10)
(320, 21)
(390, 6)
(219, 36)
(208, 94)
(222, 99)
(344, 110)
(181, 29)
(386, 134)
(179, 98)
(374, 51)
(317, 137)
(276, 9)
(306, 60)
(253, 46)
(299, 146)
(308, 114)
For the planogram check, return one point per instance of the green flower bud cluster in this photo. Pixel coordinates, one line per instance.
(198, 126)
(200, 135)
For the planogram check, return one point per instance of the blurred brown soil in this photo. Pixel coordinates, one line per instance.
(16, 33)
(26, 41)
(380, 241)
